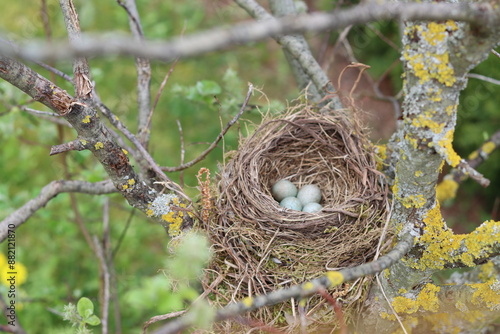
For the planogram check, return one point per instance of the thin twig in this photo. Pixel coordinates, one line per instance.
(468, 168)
(122, 235)
(100, 253)
(183, 152)
(143, 67)
(217, 140)
(46, 194)
(74, 145)
(158, 94)
(55, 71)
(483, 78)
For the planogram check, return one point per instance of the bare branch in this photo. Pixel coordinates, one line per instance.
(74, 145)
(467, 168)
(158, 94)
(217, 39)
(106, 276)
(331, 279)
(48, 192)
(83, 86)
(55, 71)
(48, 116)
(283, 8)
(483, 78)
(143, 67)
(217, 140)
(298, 49)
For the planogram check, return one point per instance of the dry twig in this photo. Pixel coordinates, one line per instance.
(217, 140)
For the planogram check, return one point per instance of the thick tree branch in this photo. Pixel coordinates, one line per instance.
(217, 39)
(96, 137)
(46, 194)
(331, 279)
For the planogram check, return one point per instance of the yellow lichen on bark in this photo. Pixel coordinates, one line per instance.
(380, 155)
(174, 220)
(426, 300)
(446, 189)
(432, 65)
(487, 293)
(442, 246)
(445, 147)
(335, 278)
(413, 201)
(488, 147)
(437, 32)
(424, 120)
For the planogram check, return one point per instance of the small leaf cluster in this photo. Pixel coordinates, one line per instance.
(81, 315)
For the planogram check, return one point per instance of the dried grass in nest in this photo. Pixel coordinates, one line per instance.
(260, 246)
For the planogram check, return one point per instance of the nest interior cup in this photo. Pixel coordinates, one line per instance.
(266, 245)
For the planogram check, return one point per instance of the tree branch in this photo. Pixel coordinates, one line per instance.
(74, 145)
(81, 73)
(217, 39)
(477, 157)
(283, 8)
(331, 279)
(143, 68)
(150, 163)
(97, 138)
(48, 192)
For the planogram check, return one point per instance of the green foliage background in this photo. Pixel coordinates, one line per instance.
(61, 266)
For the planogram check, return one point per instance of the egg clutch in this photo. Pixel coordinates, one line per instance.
(306, 199)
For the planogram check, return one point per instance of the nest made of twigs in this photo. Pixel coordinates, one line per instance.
(260, 246)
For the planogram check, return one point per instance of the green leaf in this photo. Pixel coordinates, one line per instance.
(85, 307)
(208, 87)
(93, 320)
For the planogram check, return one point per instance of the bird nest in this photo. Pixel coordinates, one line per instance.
(260, 246)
